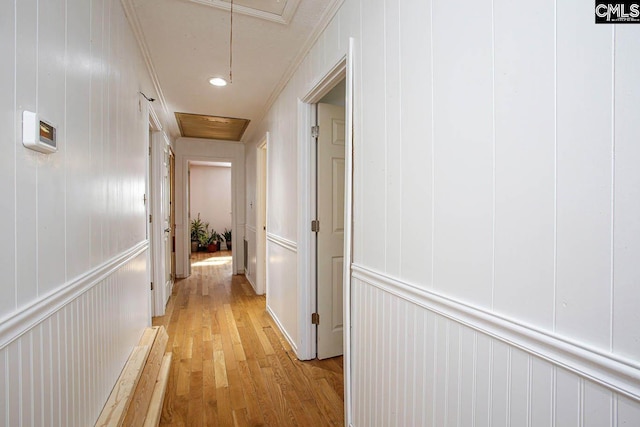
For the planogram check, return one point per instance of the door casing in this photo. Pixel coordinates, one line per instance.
(262, 174)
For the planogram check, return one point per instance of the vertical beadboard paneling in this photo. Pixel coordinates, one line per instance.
(97, 183)
(453, 374)
(463, 138)
(428, 376)
(500, 383)
(482, 390)
(14, 383)
(77, 137)
(51, 83)
(393, 135)
(416, 367)
(331, 41)
(4, 386)
(626, 237)
(519, 389)
(8, 145)
(467, 376)
(524, 163)
(541, 395)
(26, 160)
(568, 399)
(38, 357)
(584, 100)
(50, 369)
(416, 127)
(596, 405)
(441, 368)
(373, 131)
(628, 413)
(25, 370)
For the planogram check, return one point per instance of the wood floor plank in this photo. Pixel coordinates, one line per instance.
(232, 366)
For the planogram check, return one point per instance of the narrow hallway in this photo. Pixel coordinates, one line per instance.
(231, 365)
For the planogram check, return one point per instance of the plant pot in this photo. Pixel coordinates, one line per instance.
(212, 248)
(194, 246)
(228, 245)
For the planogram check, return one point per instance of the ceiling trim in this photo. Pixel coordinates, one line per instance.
(134, 23)
(287, 14)
(326, 18)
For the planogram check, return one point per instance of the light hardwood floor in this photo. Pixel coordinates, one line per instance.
(231, 366)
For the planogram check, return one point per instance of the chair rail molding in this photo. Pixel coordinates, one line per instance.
(611, 371)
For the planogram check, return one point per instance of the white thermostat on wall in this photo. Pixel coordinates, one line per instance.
(38, 134)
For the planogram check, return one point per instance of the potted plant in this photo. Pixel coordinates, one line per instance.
(198, 229)
(213, 241)
(227, 238)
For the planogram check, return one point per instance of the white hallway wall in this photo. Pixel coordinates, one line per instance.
(497, 213)
(74, 257)
(211, 195)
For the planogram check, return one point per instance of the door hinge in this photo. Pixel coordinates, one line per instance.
(150, 217)
(315, 225)
(315, 131)
(315, 318)
(151, 285)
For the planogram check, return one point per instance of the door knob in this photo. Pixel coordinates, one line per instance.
(167, 230)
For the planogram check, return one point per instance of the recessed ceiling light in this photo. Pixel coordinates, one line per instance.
(218, 81)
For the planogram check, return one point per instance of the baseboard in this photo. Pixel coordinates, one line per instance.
(251, 282)
(283, 330)
(613, 372)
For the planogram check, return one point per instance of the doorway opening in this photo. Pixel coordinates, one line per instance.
(210, 202)
(314, 312)
(329, 229)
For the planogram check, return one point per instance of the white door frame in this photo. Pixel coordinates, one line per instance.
(343, 69)
(262, 173)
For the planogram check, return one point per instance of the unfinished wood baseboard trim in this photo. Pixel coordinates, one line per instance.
(156, 338)
(26, 318)
(120, 398)
(611, 371)
(157, 398)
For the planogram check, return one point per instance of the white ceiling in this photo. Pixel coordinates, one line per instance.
(186, 42)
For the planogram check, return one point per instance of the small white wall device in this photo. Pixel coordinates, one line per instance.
(37, 134)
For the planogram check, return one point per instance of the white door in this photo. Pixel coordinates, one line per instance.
(330, 237)
(261, 218)
(166, 223)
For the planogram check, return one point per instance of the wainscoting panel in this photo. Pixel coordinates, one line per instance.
(282, 286)
(61, 371)
(415, 365)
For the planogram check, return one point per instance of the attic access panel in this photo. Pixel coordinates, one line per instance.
(211, 127)
(280, 11)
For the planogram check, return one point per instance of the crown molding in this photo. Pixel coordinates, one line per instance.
(325, 20)
(136, 27)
